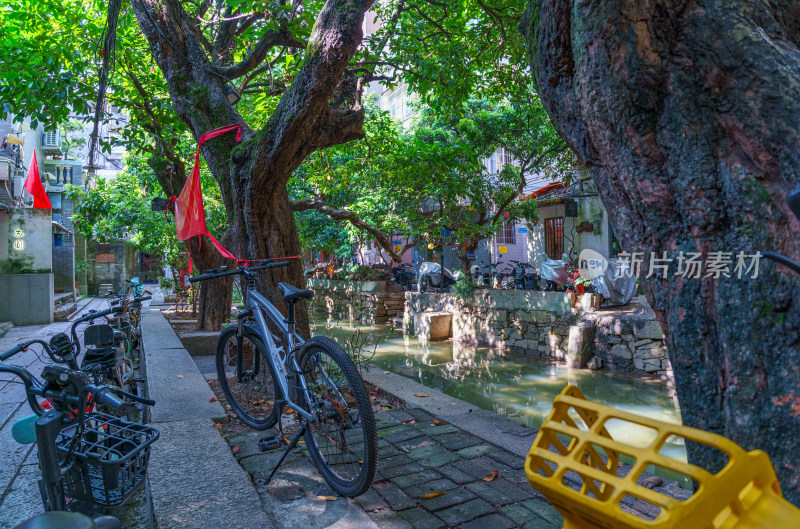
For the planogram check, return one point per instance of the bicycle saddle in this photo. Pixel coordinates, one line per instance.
(292, 294)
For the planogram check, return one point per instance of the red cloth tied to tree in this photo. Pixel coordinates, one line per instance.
(33, 184)
(190, 217)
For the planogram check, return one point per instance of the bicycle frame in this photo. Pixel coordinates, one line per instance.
(292, 341)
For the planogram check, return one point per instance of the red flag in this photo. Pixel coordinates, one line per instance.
(34, 186)
(190, 218)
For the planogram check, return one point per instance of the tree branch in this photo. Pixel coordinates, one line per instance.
(269, 40)
(346, 215)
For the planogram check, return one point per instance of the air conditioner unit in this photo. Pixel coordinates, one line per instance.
(51, 142)
(6, 168)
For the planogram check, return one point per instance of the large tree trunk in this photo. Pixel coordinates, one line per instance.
(688, 117)
(253, 175)
(215, 296)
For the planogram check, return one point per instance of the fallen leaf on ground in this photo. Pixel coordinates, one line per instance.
(425, 443)
(653, 482)
(212, 399)
(328, 498)
(218, 426)
(491, 475)
(258, 402)
(420, 395)
(285, 441)
(235, 449)
(452, 404)
(410, 421)
(437, 422)
(289, 411)
(301, 442)
(432, 495)
(385, 372)
(180, 376)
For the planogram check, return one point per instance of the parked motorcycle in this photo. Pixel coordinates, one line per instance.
(617, 284)
(434, 277)
(403, 275)
(554, 272)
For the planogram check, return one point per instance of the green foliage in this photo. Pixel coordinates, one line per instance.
(356, 272)
(449, 52)
(81, 265)
(47, 64)
(120, 208)
(414, 183)
(464, 288)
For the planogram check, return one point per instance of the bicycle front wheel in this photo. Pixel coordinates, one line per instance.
(342, 442)
(247, 378)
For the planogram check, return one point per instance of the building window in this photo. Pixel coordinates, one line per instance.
(506, 234)
(554, 237)
(507, 158)
(58, 239)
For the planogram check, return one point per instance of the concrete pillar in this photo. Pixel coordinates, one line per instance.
(580, 347)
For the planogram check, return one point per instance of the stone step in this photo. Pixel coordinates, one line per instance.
(64, 310)
(5, 326)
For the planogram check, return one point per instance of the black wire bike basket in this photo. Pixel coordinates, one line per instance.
(106, 460)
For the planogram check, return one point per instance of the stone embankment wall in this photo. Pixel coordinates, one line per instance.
(370, 302)
(554, 325)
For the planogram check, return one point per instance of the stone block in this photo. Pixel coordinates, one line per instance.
(648, 329)
(595, 363)
(622, 351)
(498, 315)
(432, 325)
(651, 345)
(640, 343)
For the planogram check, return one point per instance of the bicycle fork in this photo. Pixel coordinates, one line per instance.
(48, 427)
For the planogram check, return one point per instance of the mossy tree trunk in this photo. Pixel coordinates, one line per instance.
(688, 117)
(253, 174)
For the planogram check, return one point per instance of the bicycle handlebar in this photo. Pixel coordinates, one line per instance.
(19, 348)
(213, 274)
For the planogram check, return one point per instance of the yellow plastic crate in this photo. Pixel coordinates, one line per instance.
(743, 494)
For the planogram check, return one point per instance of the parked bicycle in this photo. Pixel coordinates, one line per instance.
(89, 461)
(261, 373)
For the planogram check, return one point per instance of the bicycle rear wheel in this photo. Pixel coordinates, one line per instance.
(342, 443)
(247, 378)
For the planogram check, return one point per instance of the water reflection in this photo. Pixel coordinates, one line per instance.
(518, 387)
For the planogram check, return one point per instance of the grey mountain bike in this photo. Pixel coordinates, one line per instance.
(260, 373)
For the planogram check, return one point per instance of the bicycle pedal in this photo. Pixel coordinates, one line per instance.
(271, 442)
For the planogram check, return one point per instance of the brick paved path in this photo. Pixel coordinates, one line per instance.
(417, 457)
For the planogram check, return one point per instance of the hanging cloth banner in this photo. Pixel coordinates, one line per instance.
(190, 217)
(33, 185)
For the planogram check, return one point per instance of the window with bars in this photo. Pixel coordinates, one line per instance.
(554, 237)
(506, 234)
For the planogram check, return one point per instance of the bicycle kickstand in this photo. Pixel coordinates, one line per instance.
(300, 431)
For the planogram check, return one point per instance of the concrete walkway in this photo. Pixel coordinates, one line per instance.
(195, 481)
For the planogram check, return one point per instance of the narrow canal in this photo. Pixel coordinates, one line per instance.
(518, 387)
